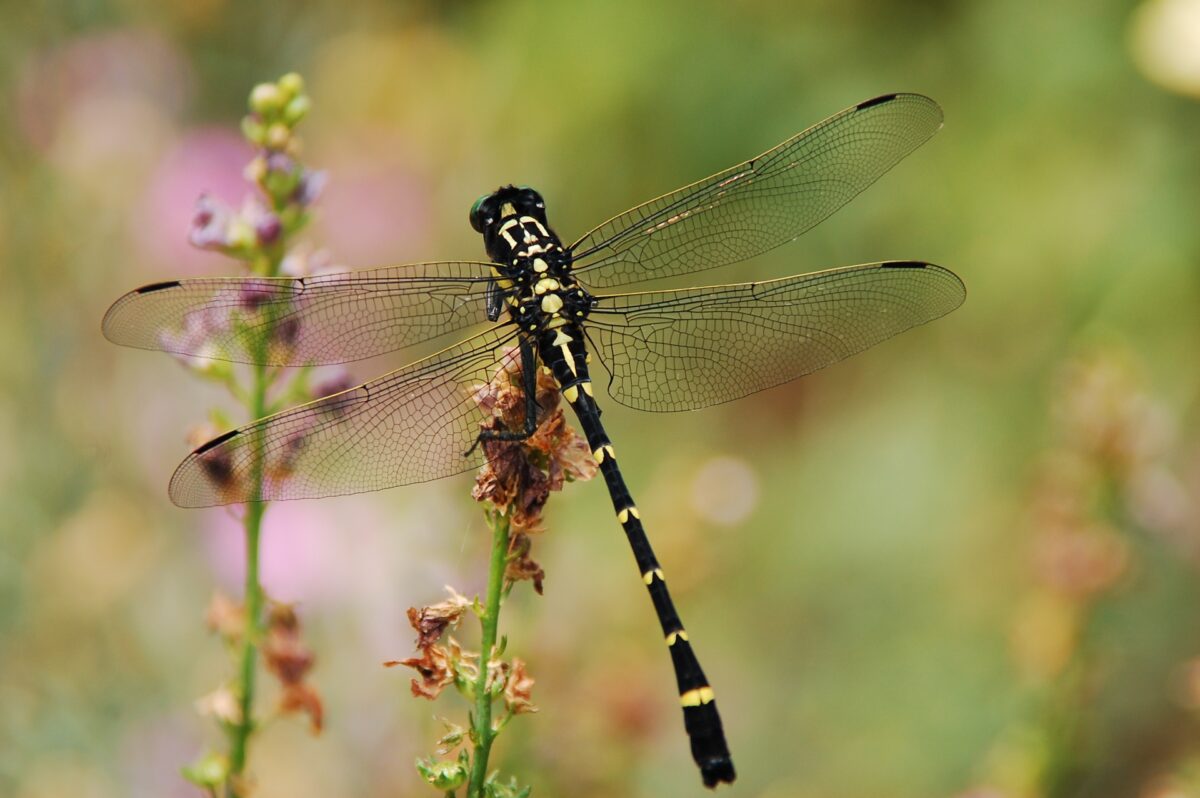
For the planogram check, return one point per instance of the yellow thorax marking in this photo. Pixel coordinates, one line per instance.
(540, 265)
(545, 284)
(507, 209)
(697, 696)
(561, 339)
(551, 303)
(512, 242)
(531, 220)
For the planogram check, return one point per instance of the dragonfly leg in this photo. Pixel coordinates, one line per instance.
(529, 386)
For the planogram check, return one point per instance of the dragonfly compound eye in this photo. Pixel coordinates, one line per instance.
(531, 199)
(477, 213)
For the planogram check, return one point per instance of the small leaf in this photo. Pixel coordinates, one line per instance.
(492, 788)
(444, 775)
(209, 771)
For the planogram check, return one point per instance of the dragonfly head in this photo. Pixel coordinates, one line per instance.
(492, 212)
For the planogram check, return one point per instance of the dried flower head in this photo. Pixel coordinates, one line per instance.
(520, 566)
(430, 622)
(518, 690)
(520, 475)
(440, 666)
(290, 660)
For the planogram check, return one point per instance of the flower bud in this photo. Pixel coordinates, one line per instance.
(291, 84)
(256, 170)
(253, 129)
(266, 99)
(296, 109)
(277, 136)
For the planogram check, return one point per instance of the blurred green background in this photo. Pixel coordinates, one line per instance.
(962, 564)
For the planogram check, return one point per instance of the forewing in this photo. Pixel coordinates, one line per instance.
(326, 318)
(762, 203)
(411, 425)
(687, 349)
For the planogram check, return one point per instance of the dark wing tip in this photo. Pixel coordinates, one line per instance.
(883, 98)
(205, 478)
(217, 441)
(147, 289)
(954, 279)
(113, 326)
(909, 97)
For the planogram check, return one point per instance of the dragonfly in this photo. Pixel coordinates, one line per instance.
(662, 350)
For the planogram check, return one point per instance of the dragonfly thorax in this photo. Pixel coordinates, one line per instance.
(547, 300)
(532, 270)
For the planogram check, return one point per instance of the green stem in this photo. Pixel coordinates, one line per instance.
(489, 620)
(254, 597)
(252, 526)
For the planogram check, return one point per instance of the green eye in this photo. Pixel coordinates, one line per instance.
(476, 222)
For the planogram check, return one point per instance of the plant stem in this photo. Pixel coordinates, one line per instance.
(489, 620)
(252, 529)
(253, 597)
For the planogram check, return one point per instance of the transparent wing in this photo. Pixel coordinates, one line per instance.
(327, 318)
(687, 349)
(411, 425)
(762, 203)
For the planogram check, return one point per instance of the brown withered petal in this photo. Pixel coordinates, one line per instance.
(575, 459)
(226, 617)
(520, 565)
(284, 651)
(430, 622)
(435, 669)
(519, 689)
(303, 698)
(530, 500)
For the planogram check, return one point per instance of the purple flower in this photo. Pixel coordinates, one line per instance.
(253, 294)
(308, 190)
(268, 229)
(336, 384)
(286, 331)
(212, 225)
